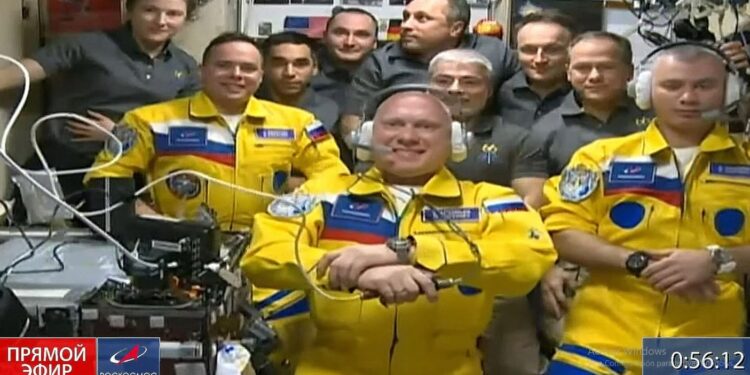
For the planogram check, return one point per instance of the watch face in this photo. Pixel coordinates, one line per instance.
(637, 262)
(397, 244)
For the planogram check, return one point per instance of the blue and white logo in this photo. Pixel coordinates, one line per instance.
(131, 356)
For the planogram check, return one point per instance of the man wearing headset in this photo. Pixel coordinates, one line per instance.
(658, 218)
(391, 233)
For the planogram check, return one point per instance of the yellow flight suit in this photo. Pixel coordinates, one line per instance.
(629, 192)
(189, 133)
(358, 336)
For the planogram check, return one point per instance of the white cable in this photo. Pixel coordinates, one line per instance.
(20, 170)
(38, 151)
(45, 166)
(83, 216)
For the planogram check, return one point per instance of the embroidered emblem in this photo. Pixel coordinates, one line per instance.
(577, 183)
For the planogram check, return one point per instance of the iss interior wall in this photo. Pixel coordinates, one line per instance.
(215, 17)
(256, 14)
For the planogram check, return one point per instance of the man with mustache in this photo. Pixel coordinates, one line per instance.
(510, 344)
(428, 28)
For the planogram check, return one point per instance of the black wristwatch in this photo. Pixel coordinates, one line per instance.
(402, 247)
(637, 262)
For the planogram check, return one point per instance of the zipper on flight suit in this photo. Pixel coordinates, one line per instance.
(234, 174)
(683, 206)
(394, 340)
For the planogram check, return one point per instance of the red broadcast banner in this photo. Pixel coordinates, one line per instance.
(48, 356)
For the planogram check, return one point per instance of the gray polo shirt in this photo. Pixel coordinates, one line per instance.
(331, 81)
(559, 134)
(493, 152)
(390, 65)
(324, 109)
(107, 72)
(518, 104)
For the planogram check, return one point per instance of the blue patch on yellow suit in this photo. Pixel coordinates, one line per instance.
(127, 137)
(577, 183)
(627, 215)
(558, 367)
(729, 221)
(643, 173)
(359, 210)
(731, 170)
(279, 181)
(562, 368)
(187, 136)
(267, 133)
(465, 214)
(468, 290)
(357, 220)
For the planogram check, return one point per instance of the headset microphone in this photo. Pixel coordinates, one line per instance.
(715, 115)
(375, 149)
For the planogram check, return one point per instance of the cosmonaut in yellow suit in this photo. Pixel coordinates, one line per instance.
(435, 227)
(226, 133)
(656, 218)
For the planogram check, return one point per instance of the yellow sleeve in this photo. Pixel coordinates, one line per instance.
(138, 149)
(317, 152)
(270, 261)
(515, 250)
(573, 198)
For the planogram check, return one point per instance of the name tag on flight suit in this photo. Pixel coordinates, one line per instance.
(730, 170)
(347, 208)
(642, 173)
(466, 214)
(188, 136)
(279, 134)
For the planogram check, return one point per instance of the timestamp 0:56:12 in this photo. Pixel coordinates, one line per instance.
(694, 360)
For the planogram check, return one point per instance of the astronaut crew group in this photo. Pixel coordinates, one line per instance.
(657, 218)
(346, 268)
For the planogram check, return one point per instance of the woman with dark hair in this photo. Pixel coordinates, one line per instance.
(104, 74)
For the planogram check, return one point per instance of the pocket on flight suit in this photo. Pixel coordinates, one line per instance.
(461, 307)
(724, 215)
(336, 314)
(627, 219)
(273, 162)
(725, 223)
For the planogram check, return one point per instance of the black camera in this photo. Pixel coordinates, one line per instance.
(181, 248)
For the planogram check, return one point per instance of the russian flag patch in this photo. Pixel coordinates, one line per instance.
(317, 132)
(505, 205)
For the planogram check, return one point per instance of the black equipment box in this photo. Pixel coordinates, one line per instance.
(183, 330)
